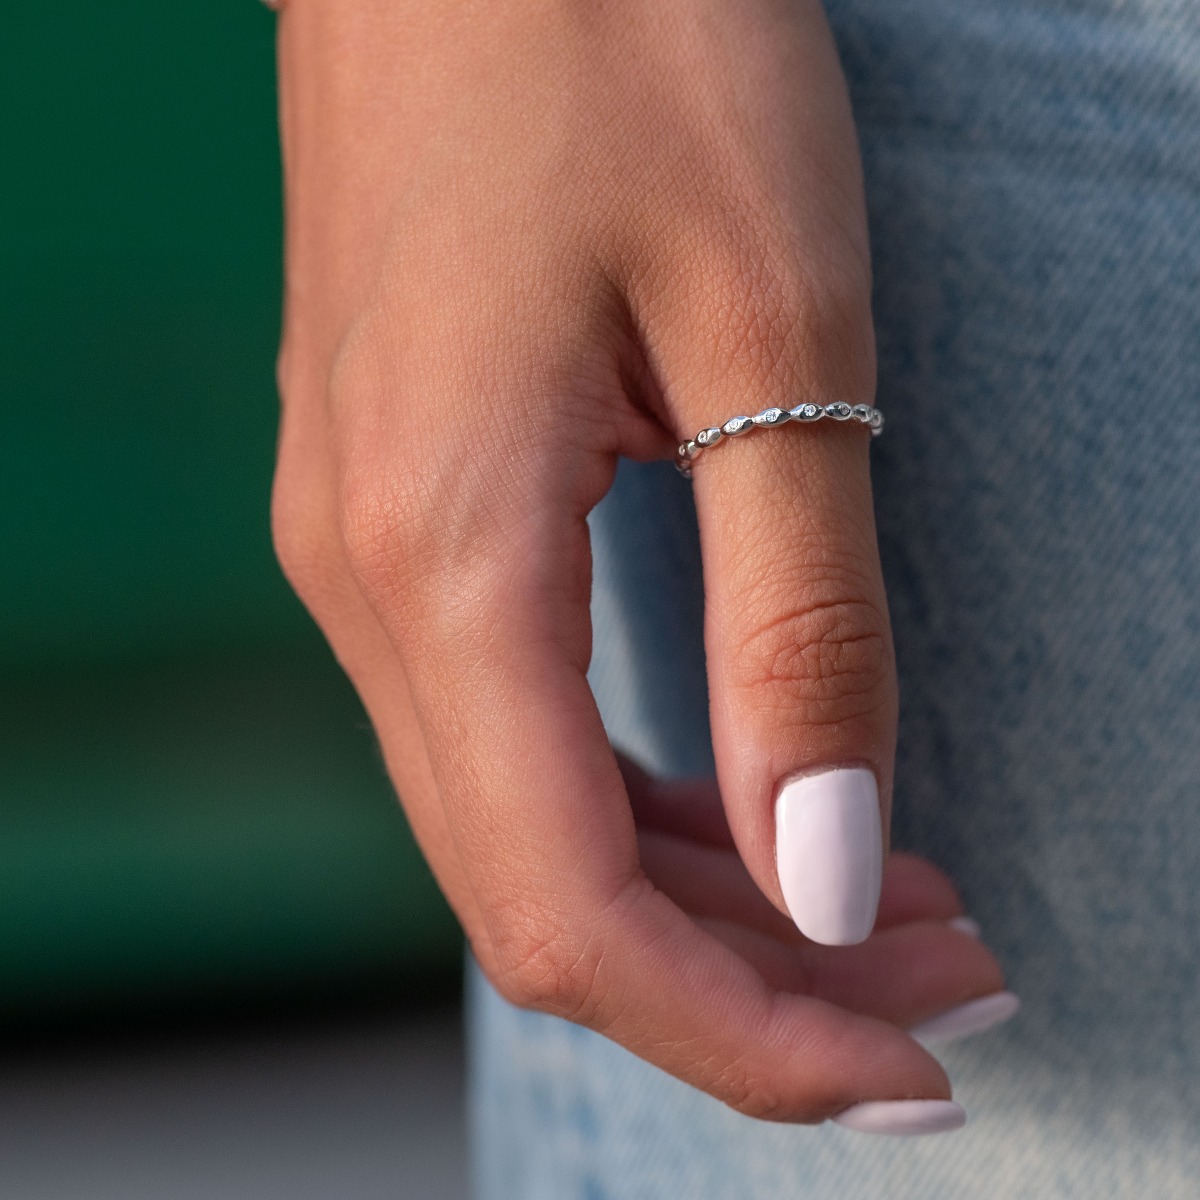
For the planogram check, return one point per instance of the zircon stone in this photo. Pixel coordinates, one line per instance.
(772, 416)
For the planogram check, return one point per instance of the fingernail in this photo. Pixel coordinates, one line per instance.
(966, 925)
(973, 1017)
(903, 1118)
(829, 853)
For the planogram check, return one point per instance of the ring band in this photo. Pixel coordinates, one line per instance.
(772, 418)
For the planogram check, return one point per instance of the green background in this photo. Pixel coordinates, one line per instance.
(192, 806)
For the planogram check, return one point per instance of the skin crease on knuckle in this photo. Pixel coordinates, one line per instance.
(822, 658)
(545, 975)
(561, 964)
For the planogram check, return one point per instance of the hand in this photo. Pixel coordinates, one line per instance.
(524, 238)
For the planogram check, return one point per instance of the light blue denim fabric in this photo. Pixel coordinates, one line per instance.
(1033, 172)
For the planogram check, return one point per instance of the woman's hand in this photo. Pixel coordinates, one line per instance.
(525, 237)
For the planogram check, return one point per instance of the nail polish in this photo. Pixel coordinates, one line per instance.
(829, 853)
(973, 1017)
(904, 1118)
(966, 925)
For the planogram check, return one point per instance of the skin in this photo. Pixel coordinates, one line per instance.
(524, 239)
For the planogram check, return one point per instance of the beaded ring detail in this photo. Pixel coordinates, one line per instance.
(772, 418)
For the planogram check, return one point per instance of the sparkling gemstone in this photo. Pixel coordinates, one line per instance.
(772, 416)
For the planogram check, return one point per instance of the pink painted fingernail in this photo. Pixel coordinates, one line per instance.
(966, 925)
(829, 853)
(973, 1017)
(903, 1118)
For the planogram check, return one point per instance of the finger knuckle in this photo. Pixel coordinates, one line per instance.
(302, 551)
(541, 965)
(305, 543)
(768, 1104)
(754, 1098)
(431, 581)
(758, 1088)
(423, 510)
(792, 324)
(376, 522)
(748, 1086)
(396, 542)
(829, 658)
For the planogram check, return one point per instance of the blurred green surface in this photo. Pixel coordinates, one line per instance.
(190, 800)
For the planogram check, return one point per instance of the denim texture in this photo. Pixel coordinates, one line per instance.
(1033, 176)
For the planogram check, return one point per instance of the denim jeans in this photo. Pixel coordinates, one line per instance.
(1033, 176)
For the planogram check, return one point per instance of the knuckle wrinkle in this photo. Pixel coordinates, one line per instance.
(831, 660)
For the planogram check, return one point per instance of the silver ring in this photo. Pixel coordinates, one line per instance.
(772, 418)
